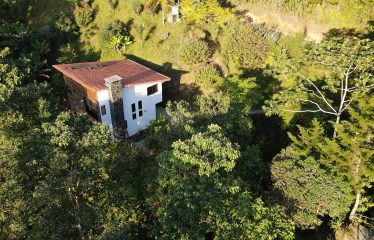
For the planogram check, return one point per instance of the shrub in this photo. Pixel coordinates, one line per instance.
(67, 54)
(194, 51)
(244, 46)
(66, 25)
(136, 6)
(151, 6)
(84, 14)
(113, 4)
(115, 28)
(207, 75)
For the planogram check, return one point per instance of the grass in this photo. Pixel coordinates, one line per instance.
(156, 51)
(315, 20)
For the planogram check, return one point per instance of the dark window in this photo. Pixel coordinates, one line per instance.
(133, 116)
(133, 107)
(140, 105)
(140, 113)
(103, 110)
(152, 89)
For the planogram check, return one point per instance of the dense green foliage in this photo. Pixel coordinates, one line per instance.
(200, 197)
(244, 46)
(217, 166)
(194, 51)
(206, 11)
(207, 76)
(84, 14)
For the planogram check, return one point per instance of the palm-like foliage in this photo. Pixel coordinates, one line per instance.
(119, 42)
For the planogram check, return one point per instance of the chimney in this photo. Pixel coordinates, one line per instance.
(114, 85)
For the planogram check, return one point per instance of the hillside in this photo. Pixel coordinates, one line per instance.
(234, 119)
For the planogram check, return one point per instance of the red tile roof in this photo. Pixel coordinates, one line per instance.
(92, 74)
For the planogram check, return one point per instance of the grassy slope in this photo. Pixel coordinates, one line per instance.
(316, 21)
(154, 53)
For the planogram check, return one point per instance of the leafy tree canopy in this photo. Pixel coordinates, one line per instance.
(201, 196)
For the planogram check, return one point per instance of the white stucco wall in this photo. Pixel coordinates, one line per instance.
(103, 99)
(133, 95)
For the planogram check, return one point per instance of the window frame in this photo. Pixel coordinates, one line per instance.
(152, 89)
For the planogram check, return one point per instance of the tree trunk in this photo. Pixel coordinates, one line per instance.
(336, 123)
(354, 209)
(357, 180)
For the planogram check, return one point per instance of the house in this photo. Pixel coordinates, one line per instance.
(121, 94)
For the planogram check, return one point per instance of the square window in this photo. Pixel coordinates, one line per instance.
(133, 108)
(103, 110)
(140, 113)
(140, 105)
(133, 116)
(152, 89)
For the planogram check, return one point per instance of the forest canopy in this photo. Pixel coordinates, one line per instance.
(267, 131)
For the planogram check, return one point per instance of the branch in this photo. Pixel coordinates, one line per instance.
(352, 89)
(314, 94)
(298, 111)
(320, 93)
(321, 109)
(349, 102)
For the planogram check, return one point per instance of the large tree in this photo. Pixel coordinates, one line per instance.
(320, 176)
(345, 74)
(199, 196)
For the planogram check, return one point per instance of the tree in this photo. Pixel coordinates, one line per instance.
(348, 63)
(352, 151)
(205, 11)
(244, 46)
(194, 51)
(70, 181)
(320, 166)
(208, 76)
(199, 191)
(114, 28)
(84, 14)
(308, 191)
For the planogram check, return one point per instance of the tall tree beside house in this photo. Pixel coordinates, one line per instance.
(342, 157)
(307, 190)
(196, 188)
(214, 108)
(321, 176)
(348, 75)
(353, 155)
(64, 178)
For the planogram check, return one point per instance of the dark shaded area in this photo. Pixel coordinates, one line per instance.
(323, 232)
(368, 32)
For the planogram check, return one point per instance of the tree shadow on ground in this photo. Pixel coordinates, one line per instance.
(173, 88)
(368, 32)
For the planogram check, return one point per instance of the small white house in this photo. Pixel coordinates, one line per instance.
(121, 94)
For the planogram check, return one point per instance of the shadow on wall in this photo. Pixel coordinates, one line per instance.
(171, 90)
